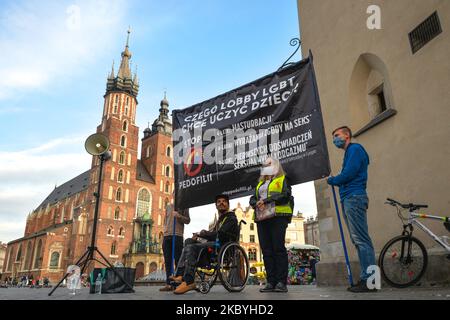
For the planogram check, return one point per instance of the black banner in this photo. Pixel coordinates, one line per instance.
(219, 144)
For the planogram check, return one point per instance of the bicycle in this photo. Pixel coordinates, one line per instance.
(403, 260)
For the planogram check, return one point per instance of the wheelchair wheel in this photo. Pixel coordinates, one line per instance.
(233, 267)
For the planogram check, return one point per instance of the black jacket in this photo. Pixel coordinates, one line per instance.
(226, 229)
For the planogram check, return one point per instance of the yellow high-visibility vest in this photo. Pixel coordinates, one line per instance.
(276, 186)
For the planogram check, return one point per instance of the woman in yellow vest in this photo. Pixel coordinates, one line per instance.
(273, 205)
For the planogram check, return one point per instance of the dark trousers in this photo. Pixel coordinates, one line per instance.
(167, 249)
(272, 234)
(189, 257)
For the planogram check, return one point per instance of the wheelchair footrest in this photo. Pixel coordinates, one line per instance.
(206, 271)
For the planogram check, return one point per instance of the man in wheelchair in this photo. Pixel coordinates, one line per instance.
(225, 230)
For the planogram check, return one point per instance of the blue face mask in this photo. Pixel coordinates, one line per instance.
(338, 142)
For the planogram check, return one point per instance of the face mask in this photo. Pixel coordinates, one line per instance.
(269, 171)
(338, 142)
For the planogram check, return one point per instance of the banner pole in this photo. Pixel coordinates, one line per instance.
(349, 270)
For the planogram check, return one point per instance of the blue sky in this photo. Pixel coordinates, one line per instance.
(55, 57)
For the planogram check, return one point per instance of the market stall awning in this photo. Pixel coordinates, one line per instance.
(300, 246)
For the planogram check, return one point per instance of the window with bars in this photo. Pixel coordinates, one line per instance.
(425, 32)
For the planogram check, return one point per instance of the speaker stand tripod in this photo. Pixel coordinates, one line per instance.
(89, 254)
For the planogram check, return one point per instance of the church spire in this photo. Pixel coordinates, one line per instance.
(128, 36)
(111, 76)
(124, 80)
(163, 124)
(135, 77)
(124, 70)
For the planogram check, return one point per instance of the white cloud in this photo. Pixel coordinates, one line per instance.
(10, 109)
(28, 176)
(11, 230)
(42, 42)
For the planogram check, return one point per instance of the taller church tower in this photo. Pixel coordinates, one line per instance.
(117, 208)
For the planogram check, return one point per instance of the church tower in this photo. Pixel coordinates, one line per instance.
(157, 157)
(117, 206)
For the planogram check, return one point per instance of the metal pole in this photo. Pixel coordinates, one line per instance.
(172, 265)
(97, 202)
(349, 271)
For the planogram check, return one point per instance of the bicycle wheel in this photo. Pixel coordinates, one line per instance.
(403, 261)
(233, 267)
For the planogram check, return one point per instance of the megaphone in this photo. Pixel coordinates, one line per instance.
(96, 144)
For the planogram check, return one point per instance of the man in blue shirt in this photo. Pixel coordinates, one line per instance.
(352, 182)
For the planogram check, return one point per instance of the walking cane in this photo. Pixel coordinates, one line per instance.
(349, 270)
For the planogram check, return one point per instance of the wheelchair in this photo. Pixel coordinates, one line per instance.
(230, 264)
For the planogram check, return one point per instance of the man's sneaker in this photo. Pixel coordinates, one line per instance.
(184, 287)
(268, 288)
(360, 287)
(280, 287)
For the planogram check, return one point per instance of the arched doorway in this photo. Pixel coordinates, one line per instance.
(139, 270)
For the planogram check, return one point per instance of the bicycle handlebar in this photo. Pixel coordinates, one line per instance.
(412, 206)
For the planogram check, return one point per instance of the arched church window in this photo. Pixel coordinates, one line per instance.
(54, 260)
(143, 202)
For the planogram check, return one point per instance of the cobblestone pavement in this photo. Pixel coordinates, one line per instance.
(219, 293)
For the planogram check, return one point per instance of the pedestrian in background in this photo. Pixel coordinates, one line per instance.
(181, 218)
